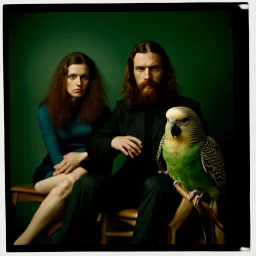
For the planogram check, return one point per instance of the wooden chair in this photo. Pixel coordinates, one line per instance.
(128, 216)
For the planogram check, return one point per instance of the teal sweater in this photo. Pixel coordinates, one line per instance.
(60, 141)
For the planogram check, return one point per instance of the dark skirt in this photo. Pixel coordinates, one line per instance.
(44, 170)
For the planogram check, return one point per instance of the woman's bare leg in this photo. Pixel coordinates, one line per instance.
(46, 185)
(51, 207)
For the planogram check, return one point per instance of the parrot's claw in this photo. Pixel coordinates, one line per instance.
(196, 201)
(197, 196)
(176, 182)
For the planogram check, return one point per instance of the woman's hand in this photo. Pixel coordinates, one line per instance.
(70, 162)
(129, 145)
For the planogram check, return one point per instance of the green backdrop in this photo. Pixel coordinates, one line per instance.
(199, 44)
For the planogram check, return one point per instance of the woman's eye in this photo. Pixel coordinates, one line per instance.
(72, 76)
(184, 120)
(85, 77)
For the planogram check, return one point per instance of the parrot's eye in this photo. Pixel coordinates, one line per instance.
(184, 120)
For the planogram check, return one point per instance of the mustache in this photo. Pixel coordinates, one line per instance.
(148, 83)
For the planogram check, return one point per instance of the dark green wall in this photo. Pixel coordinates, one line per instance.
(199, 44)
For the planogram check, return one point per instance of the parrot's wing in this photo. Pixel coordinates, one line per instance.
(159, 154)
(213, 163)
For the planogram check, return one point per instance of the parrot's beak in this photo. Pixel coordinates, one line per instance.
(175, 129)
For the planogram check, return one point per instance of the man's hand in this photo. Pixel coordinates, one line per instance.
(70, 162)
(129, 145)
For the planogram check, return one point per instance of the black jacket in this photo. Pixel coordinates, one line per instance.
(131, 122)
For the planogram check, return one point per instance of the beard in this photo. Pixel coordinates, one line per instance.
(147, 96)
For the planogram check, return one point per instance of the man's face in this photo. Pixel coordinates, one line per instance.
(78, 80)
(148, 72)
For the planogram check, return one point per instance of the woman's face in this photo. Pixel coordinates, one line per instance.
(77, 81)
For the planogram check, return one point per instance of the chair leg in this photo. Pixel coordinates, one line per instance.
(171, 235)
(15, 197)
(219, 234)
(104, 228)
(182, 213)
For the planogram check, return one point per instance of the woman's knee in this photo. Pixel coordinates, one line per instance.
(44, 186)
(40, 187)
(63, 189)
(37, 186)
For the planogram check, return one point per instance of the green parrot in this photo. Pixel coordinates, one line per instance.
(193, 159)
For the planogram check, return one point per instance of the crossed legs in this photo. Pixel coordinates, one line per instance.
(58, 187)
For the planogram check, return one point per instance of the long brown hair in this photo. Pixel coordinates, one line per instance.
(169, 83)
(59, 101)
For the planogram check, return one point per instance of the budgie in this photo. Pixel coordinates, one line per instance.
(192, 158)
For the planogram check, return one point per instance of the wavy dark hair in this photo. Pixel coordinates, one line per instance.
(168, 83)
(59, 101)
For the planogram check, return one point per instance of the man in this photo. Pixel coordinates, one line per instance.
(135, 129)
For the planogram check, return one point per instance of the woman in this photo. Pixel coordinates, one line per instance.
(73, 108)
